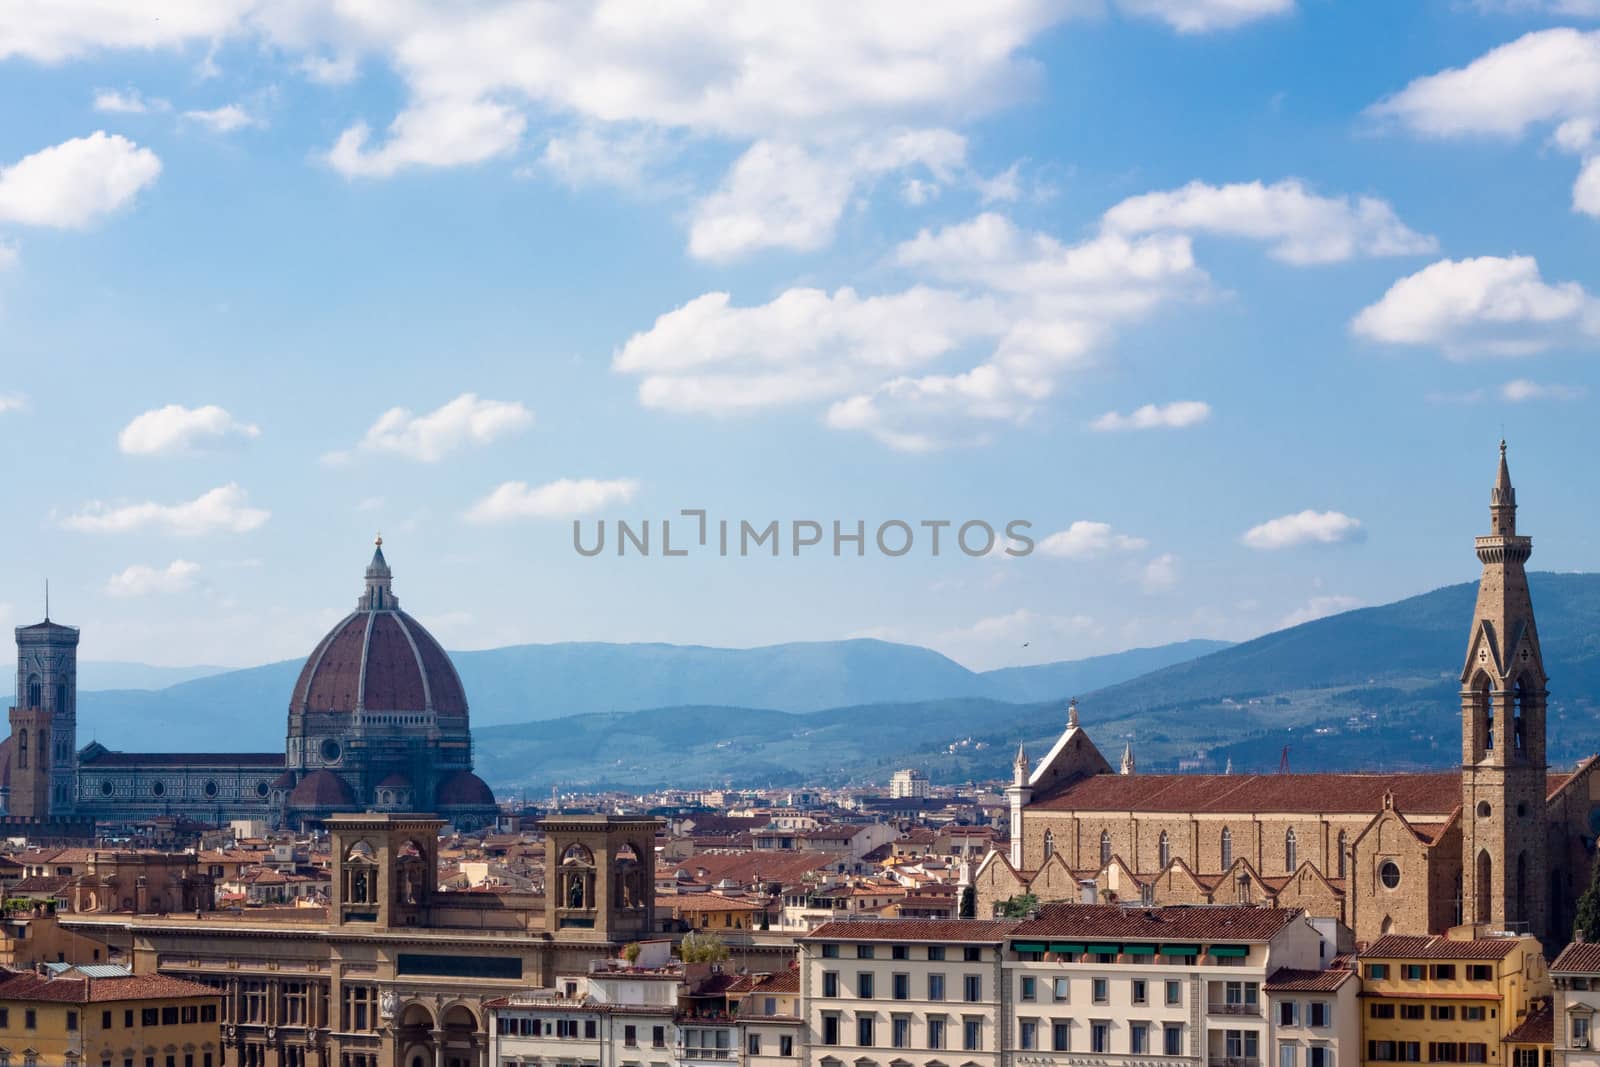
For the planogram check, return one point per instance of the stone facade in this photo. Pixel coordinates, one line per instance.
(1502, 842)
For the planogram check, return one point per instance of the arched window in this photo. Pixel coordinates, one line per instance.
(35, 692)
(1485, 701)
(1339, 862)
(61, 696)
(22, 749)
(1517, 707)
(1163, 851)
(1484, 878)
(1289, 850)
(1227, 848)
(1049, 844)
(1105, 847)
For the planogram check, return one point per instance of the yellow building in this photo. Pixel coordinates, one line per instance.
(99, 1015)
(1448, 999)
(679, 912)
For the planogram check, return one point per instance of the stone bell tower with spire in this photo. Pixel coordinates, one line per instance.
(44, 723)
(1018, 794)
(1503, 734)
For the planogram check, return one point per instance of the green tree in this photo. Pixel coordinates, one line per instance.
(630, 952)
(969, 903)
(702, 948)
(1587, 924)
(1018, 907)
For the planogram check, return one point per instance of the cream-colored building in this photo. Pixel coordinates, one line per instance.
(1576, 976)
(1316, 1017)
(903, 991)
(1095, 984)
(771, 1022)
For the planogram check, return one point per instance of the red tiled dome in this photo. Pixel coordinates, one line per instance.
(395, 781)
(379, 661)
(322, 789)
(465, 789)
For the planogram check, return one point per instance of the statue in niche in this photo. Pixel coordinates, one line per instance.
(358, 887)
(575, 891)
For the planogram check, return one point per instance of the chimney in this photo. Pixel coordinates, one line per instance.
(1088, 891)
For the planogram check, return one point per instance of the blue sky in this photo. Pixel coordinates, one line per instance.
(1230, 299)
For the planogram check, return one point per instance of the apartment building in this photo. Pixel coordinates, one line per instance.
(1576, 977)
(770, 1021)
(922, 993)
(101, 1014)
(1096, 984)
(1453, 998)
(1316, 1016)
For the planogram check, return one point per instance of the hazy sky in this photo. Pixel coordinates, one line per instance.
(1230, 299)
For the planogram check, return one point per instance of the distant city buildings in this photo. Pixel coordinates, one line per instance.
(908, 783)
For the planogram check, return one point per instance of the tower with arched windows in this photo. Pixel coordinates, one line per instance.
(600, 876)
(1502, 733)
(44, 724)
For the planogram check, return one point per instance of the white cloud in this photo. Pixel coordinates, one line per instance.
(1174, 416)
(1490, 305)
(1519, 390)
(1318, 607)
(142, 580)
(1302, 227)
(68, 29)
(225, 119)
(1544, 77)
(12, 402)
(1088, 540)
(596, 155)
(1003, 187)
(132, 102)
(1579, 8)
(1160, 574)
(1204, 16)
(784, 195)
(175, 428)
(465, 421)
(441, 133)
(564, 498)
(221, 510)
(1304, 528)
(77, 182)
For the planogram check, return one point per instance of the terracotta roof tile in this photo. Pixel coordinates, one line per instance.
(1433, 793)
(983, 931)
(1289, 980)
(27, 986)
(1580, 957)
(1538, 1028)
(1402, 946)
(1219, 922)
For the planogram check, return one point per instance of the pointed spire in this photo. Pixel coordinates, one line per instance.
(1128, 766)
(1021, 762)
(1072, 714)
(1229, 768)
(378, 595)
(1503, 501)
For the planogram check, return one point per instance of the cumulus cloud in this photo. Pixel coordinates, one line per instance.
(466, 421)
(142, 580)
(1491, 305)
(440, 133)
(596, 155)
(1160, 574)
(1088, 540)
(222, 510)
(564, 498)
(225, 119)
(12, 402)
(76, 183)
(175, 428)
(1304, 528)
(1204, 16)
(1520, 390)
(132, 102)
(1300, 226)
(1547, 77)
(784, 195)
(1174, 416)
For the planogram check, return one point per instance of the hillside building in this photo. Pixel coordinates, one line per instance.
(1505, 842)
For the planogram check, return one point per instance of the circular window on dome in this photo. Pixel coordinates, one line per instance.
(105, 788)
(159, 789)
(261, 789)
(330, 751)
(211, 789)
(1483, 809)
(1389, 874)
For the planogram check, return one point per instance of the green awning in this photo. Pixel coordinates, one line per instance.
(1229, 950)
(1066, 947)
(1028, 946)
(1180, 950)
(1138, 950)
(1106, 950)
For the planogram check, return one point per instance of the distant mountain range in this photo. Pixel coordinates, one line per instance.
(246, 709)
(1373, 688)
